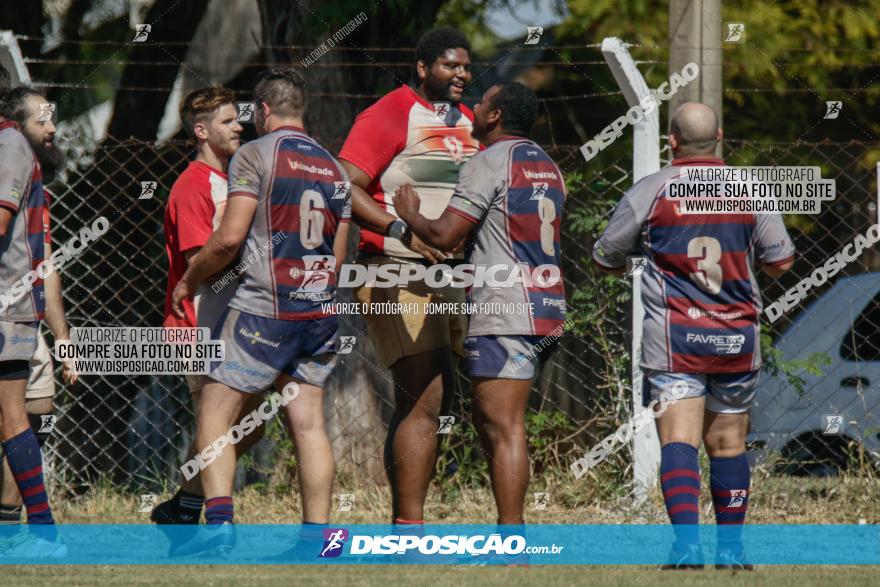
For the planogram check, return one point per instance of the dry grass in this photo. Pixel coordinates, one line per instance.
(774, 500)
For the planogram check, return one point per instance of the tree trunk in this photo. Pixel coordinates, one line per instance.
(137, 113)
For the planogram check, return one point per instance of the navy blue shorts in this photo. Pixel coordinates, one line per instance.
(259, 349)
(506, 357)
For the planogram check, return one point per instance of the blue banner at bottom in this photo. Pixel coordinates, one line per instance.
(338, 544)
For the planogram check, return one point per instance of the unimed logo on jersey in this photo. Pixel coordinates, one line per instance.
(696, 313)
(334, 540)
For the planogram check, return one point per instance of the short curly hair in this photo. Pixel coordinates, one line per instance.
(199, 105)
(438, 41)
(518, 105)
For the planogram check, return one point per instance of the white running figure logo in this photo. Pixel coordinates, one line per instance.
(334, 542)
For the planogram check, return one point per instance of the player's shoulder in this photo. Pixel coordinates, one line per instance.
(468, 113)
(514, 150)
(13, 142)
(304, 146)
(526, 150)
(251, 154)
(401, 98)
(652, 184)
(193, 181)
(308, 145)
(312, 155)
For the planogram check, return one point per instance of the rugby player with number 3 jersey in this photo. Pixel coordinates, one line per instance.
(508, 202)
(289, 206)
(701, 329)
(421, 136)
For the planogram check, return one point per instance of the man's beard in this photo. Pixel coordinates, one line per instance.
(51, 160)
(436, 88)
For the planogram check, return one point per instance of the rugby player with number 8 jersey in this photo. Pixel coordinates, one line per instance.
(701, 329)
(508, 205)
(287, 211)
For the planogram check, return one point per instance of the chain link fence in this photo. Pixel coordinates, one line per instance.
(134, 431)
(816, 410)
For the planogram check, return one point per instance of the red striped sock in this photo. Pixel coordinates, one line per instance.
(26, 463)
(730, 480)
(680, 480)
(218, 510)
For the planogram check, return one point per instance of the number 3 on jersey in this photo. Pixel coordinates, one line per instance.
(707, 251)
(311, 219)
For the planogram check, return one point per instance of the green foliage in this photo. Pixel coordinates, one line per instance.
(462, 464)
(791, 371)
(803, 45)
(598, 300)
(283, 457)
(548, 432)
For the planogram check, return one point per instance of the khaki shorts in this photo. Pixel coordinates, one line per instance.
(397, 335)
(41, 383)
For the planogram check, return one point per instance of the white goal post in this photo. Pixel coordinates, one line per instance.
(646, 160)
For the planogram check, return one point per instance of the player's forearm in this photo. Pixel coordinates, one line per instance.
(429, 232)
(340, 244)
(776, 270)
(367, 213)
(5, 220)
(55, 317)
(211, 258)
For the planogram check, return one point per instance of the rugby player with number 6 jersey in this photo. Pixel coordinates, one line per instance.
(702, 304)
(508, 204)
(288, 210)
(194, 210)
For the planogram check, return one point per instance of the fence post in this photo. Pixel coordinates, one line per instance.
(646, 160)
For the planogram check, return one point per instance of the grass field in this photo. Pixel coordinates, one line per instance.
(384, 576)
(774, 500)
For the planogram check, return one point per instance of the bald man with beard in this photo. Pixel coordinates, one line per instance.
(701, 333)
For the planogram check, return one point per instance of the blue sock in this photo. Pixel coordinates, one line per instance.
(218, 510)
(26, 463)
(730, 481)
(680, 480)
